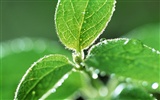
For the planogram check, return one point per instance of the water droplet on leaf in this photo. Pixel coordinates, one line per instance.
(133, 46)
(153, 50)
(33, 92)
(65, 76)
(112, 75)
(151, 95)
(80, 39)
(102, 39)
(103, 91)
(91, 69)
(83, 13)
(119, 89)
(94, 76)
(53, 90)
(97, 71)
(155, 85)
(60, 83)
(128, 80)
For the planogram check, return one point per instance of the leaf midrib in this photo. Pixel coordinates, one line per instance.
(80, 28)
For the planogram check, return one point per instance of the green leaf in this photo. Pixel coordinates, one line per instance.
(130, 92)
(80, 22)
(20, 50)
(148, 34)
(44, 76)
(126, 57)
(72, 84)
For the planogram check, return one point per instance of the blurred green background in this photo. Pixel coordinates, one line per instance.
(28, 33)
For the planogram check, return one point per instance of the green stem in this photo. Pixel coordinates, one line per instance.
(78, 59)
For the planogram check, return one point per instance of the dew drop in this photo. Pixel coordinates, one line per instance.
(53, 90)
(94, 76)
(102, 39)
(83, 13)
(97, 71)
(112, 75)
(91, 69)
(59, 83)
(128, 80)
(33, 92)
(102, 73)
(151, 95)
(103, 91)
(80, 39)
(133, 46)
(74, 70)
(155, 85)
(153, 50)
(105, 42)
(82, 64)
(119, 89)
(65, 76)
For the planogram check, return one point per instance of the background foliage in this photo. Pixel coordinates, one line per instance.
(35, 19)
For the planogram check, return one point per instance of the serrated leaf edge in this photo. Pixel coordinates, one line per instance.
(113, 9)
(23, 78)
(117, 39)
(81, 49)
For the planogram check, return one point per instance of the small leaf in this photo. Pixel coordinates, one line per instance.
(42, 77)
(80, 22)
(126, 57)
(20, 50)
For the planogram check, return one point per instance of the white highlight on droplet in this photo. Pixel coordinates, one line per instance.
(53, 90)
(153, 50)
(65, 76)
(155, 85)
(105, 42)
(83, 13)
(94, 76)
(119, 89)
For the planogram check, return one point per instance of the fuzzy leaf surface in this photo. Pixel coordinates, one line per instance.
(126, 57)
(80, 22)
(42, 76)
